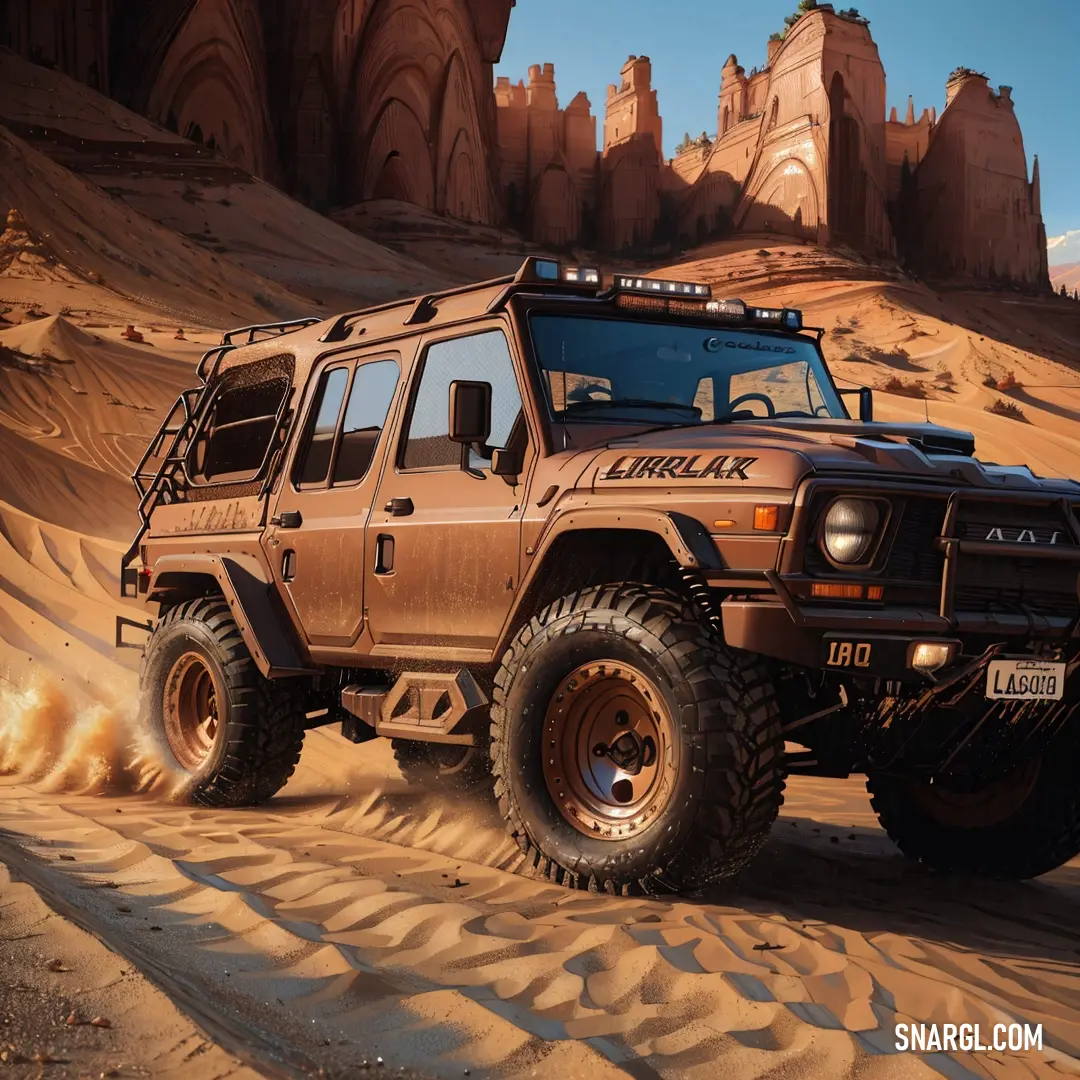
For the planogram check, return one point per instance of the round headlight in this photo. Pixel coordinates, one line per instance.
(850, 527)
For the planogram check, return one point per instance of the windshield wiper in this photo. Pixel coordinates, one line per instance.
(630, 403)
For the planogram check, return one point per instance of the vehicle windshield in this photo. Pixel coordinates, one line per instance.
(598, 369)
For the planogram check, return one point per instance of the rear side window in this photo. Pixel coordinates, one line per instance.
(483, 357)
(238, 432)
(369, 402)
(318, 447)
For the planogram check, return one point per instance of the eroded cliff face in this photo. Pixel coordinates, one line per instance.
(968, 209)
(337, 101)
(344, 101)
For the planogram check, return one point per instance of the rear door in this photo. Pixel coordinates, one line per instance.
(316, 537)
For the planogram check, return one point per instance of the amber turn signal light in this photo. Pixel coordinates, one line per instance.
(836, 591)
(766, 518)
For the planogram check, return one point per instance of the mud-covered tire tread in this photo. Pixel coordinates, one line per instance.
(741, 755)
(411, 758)
(1041, 836)
(265, 730)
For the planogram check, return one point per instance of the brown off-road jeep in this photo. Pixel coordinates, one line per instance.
(616, 550)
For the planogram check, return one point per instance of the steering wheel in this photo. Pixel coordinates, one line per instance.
(763, 398)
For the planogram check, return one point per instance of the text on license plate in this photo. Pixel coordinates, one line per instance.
(1025, 680)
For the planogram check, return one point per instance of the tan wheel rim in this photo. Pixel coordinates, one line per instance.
(609, 750)
(191, 712)
(988, 806)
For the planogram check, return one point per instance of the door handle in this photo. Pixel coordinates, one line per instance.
(288, 519)
(399, 507)
(288, 565)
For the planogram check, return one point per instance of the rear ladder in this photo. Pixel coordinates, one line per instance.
(162, 484)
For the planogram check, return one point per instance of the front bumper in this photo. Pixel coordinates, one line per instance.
(877, 644)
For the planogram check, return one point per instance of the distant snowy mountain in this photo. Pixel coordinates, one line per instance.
(1065, 248)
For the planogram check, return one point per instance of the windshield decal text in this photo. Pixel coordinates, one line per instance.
(678, 468)
(714, 344)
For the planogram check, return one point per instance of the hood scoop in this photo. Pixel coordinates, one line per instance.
(929, 439)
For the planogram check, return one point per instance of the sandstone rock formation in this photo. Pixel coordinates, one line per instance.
(344, 101)
(802, 148)
(337, 101)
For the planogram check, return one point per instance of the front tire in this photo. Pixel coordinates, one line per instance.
(1021, 825)
(232, 736)
(631, 750)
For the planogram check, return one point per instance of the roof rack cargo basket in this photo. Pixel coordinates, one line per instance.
(256, 332)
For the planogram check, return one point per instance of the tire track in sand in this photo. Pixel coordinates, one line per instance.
(443, 964)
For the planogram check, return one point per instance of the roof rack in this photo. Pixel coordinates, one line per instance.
(229, 339)
(422, 309)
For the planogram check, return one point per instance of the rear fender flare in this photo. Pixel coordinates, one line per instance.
(244, 584)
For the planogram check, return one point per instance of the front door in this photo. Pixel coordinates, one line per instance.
(445, 532)
(317, 534)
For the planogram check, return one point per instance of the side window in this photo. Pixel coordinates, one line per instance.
(313, 461)
(237, 433)
(483, 357)
(369, 401)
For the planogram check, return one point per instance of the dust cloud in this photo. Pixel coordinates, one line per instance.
(93, 749)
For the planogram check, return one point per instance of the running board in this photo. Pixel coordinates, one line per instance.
(428, 706)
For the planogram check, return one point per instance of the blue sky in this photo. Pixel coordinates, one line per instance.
(1031, 46)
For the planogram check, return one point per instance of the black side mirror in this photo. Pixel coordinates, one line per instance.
(505, 462)
(470, 411)
(866, 402)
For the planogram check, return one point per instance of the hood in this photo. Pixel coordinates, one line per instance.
(780, 453)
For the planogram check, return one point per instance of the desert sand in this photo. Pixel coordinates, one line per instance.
(349, 918)
(71, 1006)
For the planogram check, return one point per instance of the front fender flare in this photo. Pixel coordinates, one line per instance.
(686, 537)
(250, 595)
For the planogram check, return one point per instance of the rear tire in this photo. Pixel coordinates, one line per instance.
(1023, 825)
(631, 750)
(443, 768)
(210, 715)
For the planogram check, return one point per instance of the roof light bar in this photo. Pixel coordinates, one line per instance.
(626, 283)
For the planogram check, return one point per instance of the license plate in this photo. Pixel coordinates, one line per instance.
(1025, 680)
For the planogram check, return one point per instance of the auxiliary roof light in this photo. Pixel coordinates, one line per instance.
(585, 275)
(786, 318)
(733, 309)
(626, 283)
(545, 269)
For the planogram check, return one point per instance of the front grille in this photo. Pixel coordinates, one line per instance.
(914, 555)
(1000, 586)
(1013, 523)
(1009, 585)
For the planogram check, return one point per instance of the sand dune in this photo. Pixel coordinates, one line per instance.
(104, 241)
